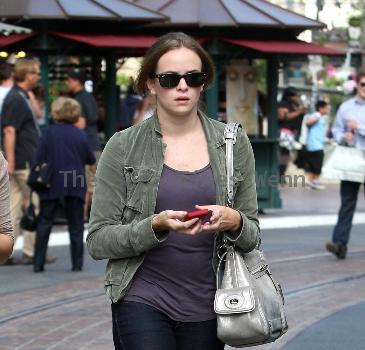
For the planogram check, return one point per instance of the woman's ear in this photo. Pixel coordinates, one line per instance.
(151, 86)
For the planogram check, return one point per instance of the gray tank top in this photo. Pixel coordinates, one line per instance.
(177, 277)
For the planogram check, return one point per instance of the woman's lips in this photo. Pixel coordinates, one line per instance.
(182, 100)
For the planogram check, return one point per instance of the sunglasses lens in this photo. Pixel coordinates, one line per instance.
(169, 80)
(195, 79)
(362, 84)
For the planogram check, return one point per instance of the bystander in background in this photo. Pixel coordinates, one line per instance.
(66, 150)
(128, 107)
(88, 121)
(348, 129)
(290, 114)
(316, 137)
(20, 139)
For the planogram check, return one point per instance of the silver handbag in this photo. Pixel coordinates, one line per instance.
(248, 302)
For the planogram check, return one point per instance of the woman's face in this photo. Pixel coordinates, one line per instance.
(182, 99)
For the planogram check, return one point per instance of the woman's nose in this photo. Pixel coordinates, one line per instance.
(182, 84)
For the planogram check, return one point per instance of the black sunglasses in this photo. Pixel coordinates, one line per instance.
(362, 84)
(171, 80)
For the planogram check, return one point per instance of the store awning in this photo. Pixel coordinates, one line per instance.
(229, 13)
(12, 39)
(115, 41)
(295, 47)
(87, 10)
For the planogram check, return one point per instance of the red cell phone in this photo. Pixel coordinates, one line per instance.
(196, 214)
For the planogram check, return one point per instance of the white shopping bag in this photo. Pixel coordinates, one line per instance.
(344, 163)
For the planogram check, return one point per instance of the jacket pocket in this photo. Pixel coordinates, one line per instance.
(119, 275)
(115, 271)
(137, 180)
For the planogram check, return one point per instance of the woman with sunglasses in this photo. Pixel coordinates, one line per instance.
(161, 271)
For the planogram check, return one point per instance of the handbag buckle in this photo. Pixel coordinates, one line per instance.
(234, 301)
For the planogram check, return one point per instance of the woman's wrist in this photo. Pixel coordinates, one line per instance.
(237, 221)
(157, 224)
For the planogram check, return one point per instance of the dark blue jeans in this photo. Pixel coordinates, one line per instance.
(75, 222)
(138, 326)
(349, 191)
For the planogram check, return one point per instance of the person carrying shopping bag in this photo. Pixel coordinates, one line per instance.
(348, 130)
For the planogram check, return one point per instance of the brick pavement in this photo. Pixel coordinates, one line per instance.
(86, 324)
(82, 324)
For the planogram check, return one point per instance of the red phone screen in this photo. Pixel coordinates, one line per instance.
(196, 214)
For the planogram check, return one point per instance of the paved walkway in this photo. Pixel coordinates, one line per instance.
(333, 332)
(63, 310)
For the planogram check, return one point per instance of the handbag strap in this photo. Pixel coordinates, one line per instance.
(230, 136)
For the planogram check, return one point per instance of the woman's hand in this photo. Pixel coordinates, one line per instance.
(222, 219)
(172, 220)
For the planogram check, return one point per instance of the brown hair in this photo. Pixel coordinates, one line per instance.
(65, 110)
(23, 67)
(359, 76)
(167, 43)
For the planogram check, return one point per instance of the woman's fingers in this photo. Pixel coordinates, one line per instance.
(214, 209)
(194, 229)
(175, 214)
(173, 220)
(189, 223)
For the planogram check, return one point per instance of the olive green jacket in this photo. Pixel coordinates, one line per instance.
(124, 199)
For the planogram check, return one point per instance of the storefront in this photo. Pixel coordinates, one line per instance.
(242, 38)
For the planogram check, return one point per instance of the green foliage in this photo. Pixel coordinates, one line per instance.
(355, 21)
(122, 79)
(333, 82)
(56, 89)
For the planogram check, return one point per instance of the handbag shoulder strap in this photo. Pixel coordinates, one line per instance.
(230, 136)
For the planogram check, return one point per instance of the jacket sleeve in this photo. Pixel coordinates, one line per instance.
(108, 238)
(245, 200)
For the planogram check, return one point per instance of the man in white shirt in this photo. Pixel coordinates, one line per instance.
(348, 129)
